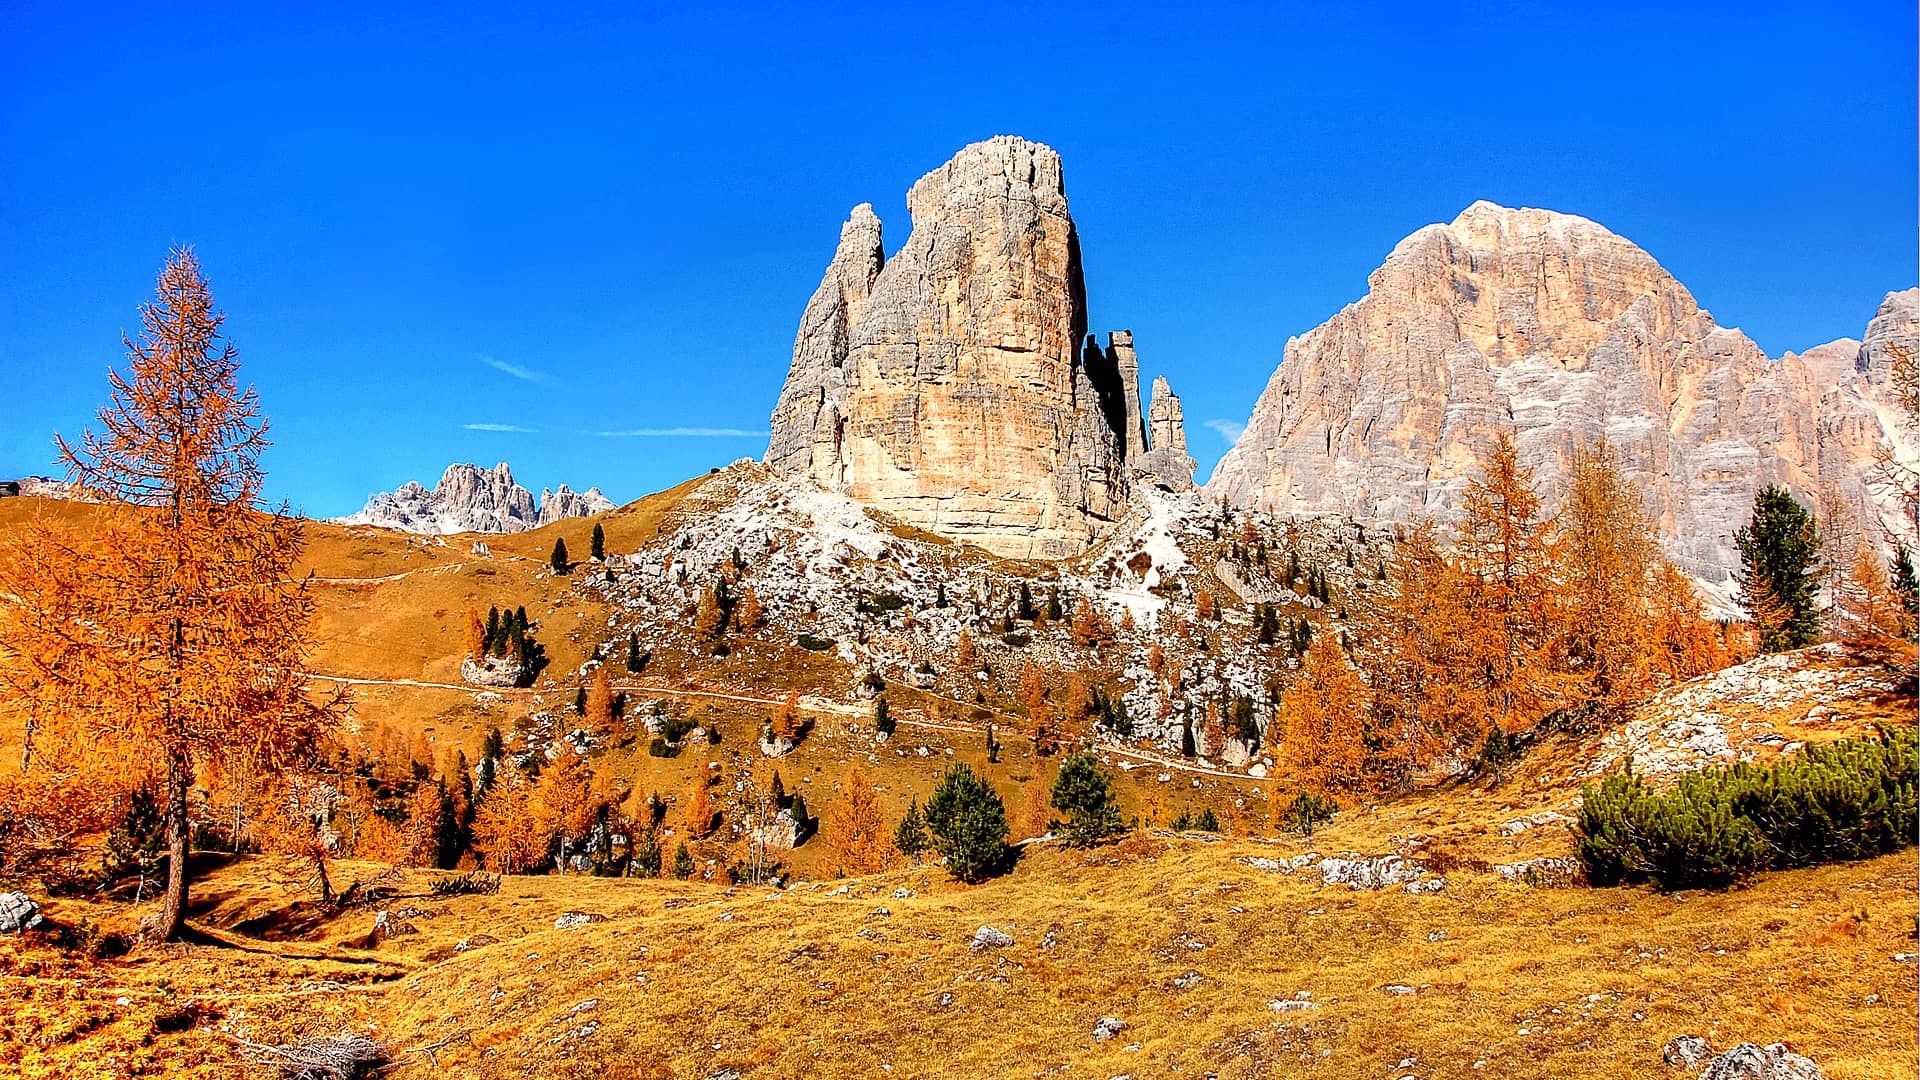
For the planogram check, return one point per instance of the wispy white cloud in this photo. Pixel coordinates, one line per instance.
(501, 427)
(1230, 430)
(681, 433)
(518, 372)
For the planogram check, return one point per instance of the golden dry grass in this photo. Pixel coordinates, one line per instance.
(1177, 937)
(816, 982)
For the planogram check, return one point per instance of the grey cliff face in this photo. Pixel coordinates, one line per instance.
(1551, 326)
(950, 384)
(806, 422)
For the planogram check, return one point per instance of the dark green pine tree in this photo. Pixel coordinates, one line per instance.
(1780, 570)
(1054, 610)
(634, 660)
(968, 824)
(910, 836)
(493, 628)
(1906, 584)
(558, 560)
(599, 544)
(1084, 792)
(580, 701)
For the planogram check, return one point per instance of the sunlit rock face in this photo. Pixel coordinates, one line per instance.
(1556, 328)
(946, 384)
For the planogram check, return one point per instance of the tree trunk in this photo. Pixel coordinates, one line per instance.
(173, 911)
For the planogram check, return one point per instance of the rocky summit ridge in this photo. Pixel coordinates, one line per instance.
(955, 385)
(471, 499)
(1566, 333)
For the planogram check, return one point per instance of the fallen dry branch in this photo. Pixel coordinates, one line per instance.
(331, 1057)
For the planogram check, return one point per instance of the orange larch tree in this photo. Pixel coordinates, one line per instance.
(508, 834)
(699, 810)
(177, 631)
(1503, 550)
(857, 830)
(1605, 560)
(476, 636)
(748, 615)
(565, 804)
(1327, 742)
(600, 703)
(1418, 653)
(786, 717)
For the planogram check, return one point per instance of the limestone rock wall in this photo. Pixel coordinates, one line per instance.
(1552, 326)
(947, 385)
(806, 421)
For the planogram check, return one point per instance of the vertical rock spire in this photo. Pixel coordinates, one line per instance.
(806, 421)
(947, 386)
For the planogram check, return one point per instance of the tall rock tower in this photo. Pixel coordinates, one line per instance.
(947, 385)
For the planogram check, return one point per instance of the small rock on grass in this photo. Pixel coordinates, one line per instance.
(988, 938)
(1686, 1052)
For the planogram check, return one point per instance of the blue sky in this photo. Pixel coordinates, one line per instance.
(496, 235)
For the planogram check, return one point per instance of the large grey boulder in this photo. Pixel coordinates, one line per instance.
(496, 671)
(1379, 872)
(988, 938)
(1751, 1062)
(18, 912)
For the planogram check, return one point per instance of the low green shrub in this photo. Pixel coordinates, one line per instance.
(1307, 811)
(674, 728)
(815, 644)
(1203, 821)
(1835, 803)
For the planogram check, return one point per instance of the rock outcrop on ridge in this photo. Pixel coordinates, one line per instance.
(948, 385)
(471, 499)
(1557, 328)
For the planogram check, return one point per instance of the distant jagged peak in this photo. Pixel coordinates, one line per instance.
(471, 499)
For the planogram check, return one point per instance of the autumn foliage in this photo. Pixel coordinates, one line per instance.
(1526, 617)
(1325, 726)
(786, 718)
(599, 712)
(699, 810)
(857, 830)
(175, 633)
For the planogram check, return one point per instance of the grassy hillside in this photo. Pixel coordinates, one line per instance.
(1179, 938)
(1190, 940)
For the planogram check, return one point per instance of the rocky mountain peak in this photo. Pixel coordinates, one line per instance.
(471, 499)
(1552, 326)
(947, 384)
